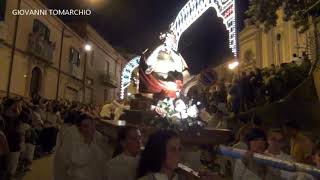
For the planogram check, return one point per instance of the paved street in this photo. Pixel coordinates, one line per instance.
(41, 169)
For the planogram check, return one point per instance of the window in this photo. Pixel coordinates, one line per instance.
(74, 57)
(43, 30)
(2, 9)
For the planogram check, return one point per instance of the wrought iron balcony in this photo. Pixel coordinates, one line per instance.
(40, 47)
(109, 80)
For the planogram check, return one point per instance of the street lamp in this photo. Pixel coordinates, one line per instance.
(87, 47)
(233, 65)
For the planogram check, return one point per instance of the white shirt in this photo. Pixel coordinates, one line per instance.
(241, 172)
(122, 167)
(77, 160)
(52, 120)
(36, 119)
(283, 156)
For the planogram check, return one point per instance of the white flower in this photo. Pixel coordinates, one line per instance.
(193, 111)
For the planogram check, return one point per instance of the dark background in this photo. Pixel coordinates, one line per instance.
(134, 25)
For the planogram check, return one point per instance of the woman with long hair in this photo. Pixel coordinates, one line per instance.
(161, 156)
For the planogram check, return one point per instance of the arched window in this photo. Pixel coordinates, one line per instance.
(35, 84)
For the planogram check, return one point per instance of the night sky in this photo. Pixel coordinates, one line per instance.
(135, 25)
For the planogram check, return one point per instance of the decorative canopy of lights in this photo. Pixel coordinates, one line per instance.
(127, 73)
(186, 17)
(195, 8)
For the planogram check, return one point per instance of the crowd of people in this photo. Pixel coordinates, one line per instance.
(258, 87)
(68, 130)
(287, 143)
(29, 129)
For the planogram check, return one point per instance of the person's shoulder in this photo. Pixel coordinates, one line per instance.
(116, 160)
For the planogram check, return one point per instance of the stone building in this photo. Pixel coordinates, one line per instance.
(261, 49)
(43, 55)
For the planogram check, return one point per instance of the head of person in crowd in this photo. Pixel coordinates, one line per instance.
(316, 155)
(12, 108)
(275, 141)
(130, 141)
(256, 140)
(86, 126)
(291, 128)
(71, 117)
(161, 154)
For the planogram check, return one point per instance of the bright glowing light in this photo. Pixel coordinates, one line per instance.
(233, 65)
(195, 8)
(198, 103)
(129, 94)
(193, 111)
(121, 123)
(127, 73)
(87, 47)
(180, 106)
(25, 76)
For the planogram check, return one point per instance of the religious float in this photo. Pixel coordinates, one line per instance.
(160, 79)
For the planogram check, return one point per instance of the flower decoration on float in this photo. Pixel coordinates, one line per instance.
(177, 114)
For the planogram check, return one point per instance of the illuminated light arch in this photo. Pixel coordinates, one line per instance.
(192, 82)
(127, 73)
(195, 8)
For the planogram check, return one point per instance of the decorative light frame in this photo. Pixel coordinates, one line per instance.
(127, 73)
(186, 17)
(195, 8)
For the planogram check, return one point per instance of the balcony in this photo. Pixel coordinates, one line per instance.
(40, 47)
(109, 80)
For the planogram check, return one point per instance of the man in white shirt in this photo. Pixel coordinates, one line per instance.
(124, 165)
(80, 154)
(275, 139)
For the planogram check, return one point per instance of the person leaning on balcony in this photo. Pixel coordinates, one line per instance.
(300, 145)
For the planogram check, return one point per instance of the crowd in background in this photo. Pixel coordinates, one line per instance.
(82, 153)
(258, 87)
(29, 129)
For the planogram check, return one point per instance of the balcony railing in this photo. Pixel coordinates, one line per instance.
(40, 47)
(109, 80)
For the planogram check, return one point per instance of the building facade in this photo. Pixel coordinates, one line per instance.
(43, 55)
(261, 49)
